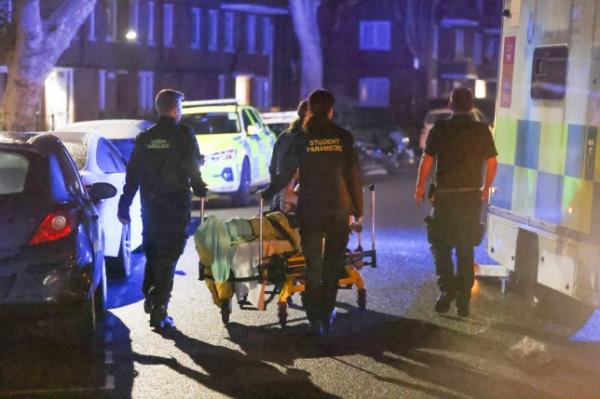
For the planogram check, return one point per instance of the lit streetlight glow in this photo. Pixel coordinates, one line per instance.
(131, 35)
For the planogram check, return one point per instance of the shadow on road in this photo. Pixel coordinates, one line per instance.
(234, 374)
(45, 362)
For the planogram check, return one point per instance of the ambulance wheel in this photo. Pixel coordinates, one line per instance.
(282, 314)
(225, 311)
(242, 196)
(361, 299)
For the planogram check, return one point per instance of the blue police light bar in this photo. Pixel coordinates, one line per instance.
(223, 101)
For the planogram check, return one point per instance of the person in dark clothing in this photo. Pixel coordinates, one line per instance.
(281, 201)
(459, 147)
(330, 194)
(163, 166)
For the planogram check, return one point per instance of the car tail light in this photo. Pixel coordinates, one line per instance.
(56, 225)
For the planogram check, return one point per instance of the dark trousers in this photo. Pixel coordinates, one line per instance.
(164, 240)
(455, 224)
(461, 282)
(324, 241)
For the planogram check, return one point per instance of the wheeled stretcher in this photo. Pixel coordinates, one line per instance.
(274, 265)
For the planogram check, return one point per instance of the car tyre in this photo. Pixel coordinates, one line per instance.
(122, 263)
(242, 196)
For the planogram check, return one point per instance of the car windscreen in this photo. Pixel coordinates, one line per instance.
(13, 172)
(125, 147)
(78, 151)
(213, 122)
(434, 117)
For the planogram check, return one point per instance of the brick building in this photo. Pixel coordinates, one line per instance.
(129, 49)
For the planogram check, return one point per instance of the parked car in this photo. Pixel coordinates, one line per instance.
(51, 243)
(120, 132)
(98, 160)
(236, 145)
(437, 114)
(279, 121)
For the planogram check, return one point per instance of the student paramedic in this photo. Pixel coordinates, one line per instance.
(164, 164)
(459, 147)
(330, 193)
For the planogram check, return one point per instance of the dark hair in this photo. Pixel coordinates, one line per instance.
(166, 100)
(320, 102)
(461, 99)
(301, 111)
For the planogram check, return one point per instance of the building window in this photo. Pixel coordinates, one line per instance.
(549, 72)
(477, 45)
(6, 11)
(145, 90)
(213, 24)
(134, 22)
(459, 44)
(168, 25)
(197, 28)
(229, 32)
(262, 93)
(375, 35)
(102, 90)
(222, 82)
(267, 36)
(251, 34)
(91, 36)
(112, 27)
(374, 92)
(151, 23)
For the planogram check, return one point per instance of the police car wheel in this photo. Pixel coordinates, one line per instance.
(242, 196)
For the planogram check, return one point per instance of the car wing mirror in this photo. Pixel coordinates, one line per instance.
(100, 191)
(253, 130)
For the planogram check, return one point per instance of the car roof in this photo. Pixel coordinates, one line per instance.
(42, 143)
(110, 128)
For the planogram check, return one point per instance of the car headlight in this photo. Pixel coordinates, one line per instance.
(222, 155)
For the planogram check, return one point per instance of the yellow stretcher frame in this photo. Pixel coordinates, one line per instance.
(293, 283)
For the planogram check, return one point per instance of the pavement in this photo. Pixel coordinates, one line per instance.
(397, 348)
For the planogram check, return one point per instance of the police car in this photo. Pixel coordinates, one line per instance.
(235, 143)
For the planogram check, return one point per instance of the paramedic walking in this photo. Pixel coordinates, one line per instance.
(285, 200)
(330, 194)
(459, 147)
(163, 166)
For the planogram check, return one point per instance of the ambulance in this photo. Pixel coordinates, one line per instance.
(236, 145)
(544, 216)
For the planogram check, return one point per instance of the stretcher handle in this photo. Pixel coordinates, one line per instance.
(202, 199)
(372, 191)
(260, 230)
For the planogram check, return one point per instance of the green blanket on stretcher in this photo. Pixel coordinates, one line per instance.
(215, 237)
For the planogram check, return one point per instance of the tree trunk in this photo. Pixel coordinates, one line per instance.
(306, 26)
(37, 48)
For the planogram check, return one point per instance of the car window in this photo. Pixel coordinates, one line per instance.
(13, 172)
(105, 158)
(247, 119)
(124, 146)
(117, 157)
(213, 122)
(70, 173)
(78, 151)
(256, 118)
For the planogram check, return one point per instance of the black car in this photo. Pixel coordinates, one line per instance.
(51, 244)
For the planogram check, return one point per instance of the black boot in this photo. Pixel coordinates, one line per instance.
(160, 320)
(442, 305)
(462, 305)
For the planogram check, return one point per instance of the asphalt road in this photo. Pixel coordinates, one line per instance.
(397, 348)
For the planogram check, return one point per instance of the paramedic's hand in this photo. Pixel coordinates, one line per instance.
(201, 192)
(265, 194)
(419, 195)
(124, 217)
(485, 194)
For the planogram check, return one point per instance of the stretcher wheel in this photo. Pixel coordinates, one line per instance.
(361, 299)
(225, 311)
(282, 314)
